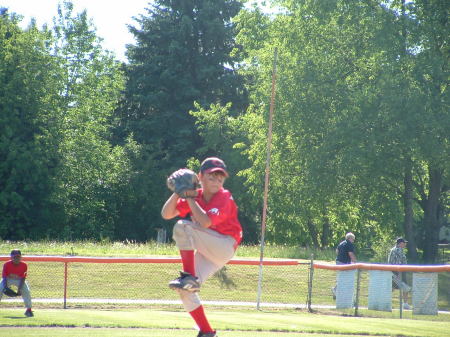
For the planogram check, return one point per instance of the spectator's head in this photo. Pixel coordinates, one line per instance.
(401, 242)
(16, 256)
(350, 237)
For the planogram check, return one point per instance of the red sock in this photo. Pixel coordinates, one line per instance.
(187, 257)
(199, 317)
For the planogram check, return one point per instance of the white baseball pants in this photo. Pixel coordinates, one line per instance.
(212, 251)
(26, 295)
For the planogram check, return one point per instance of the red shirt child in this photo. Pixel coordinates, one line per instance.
(15, 272)
(208, 241)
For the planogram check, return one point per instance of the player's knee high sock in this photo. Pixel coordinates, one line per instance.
(187, 257)
(199, 317)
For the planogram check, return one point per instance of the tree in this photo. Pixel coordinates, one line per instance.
(429, 75)
(181, 56)
(92, 173)
(349, 117)
(28, 114)
(224, 135)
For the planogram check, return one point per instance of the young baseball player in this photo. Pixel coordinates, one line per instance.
(15, 273)
(208, 240)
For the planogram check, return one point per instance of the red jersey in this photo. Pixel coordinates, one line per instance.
(222, 211)
(19, 269)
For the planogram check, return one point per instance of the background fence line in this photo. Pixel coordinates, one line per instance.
(288, 283)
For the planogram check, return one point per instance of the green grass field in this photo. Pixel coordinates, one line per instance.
(231, 323)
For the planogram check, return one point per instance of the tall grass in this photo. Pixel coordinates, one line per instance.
(152, 248)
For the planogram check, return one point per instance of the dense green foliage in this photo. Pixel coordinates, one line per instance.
(361, 127)
(181, 56)
(28, 118)
(61, 177)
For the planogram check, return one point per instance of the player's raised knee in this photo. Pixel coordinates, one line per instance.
(178, 230)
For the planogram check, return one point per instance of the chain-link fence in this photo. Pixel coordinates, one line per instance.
(127, 281)
(90, 282)
(357, 287)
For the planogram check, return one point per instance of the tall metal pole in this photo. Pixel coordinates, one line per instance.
(266, 181)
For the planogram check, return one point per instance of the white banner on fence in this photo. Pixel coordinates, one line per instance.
(380, 290)
(424, 293)
(345, 289)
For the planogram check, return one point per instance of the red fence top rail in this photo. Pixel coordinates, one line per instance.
(240, 261)
(85, 259)
(388, 267)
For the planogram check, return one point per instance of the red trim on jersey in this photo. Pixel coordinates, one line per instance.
(222, 211)
(19, 269)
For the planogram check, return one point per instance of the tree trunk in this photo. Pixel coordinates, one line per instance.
(313, 233)
(326, 230)
(408, 224)
(431, 216)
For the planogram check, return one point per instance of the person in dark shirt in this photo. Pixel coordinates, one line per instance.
(345, 251)
(345, 254)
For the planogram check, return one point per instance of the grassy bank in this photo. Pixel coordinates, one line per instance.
(136, 249)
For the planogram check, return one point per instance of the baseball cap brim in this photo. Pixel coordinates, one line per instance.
(216, 169)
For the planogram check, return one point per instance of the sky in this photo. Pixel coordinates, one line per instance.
(109, 17)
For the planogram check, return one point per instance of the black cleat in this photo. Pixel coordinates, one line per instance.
(185, 282)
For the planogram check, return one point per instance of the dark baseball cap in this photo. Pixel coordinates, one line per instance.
(400, 240)
(213, 164)
(15, 252)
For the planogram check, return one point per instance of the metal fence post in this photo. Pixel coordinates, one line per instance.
(310, 283)
(358, 283)
(400, 277)
(65, 285)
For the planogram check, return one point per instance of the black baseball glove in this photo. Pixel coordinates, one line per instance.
(9, 292)
(182, 181)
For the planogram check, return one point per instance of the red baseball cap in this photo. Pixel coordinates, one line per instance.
(213, 164)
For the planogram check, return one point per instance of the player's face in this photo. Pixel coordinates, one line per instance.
(212, 182)
(16, 258)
